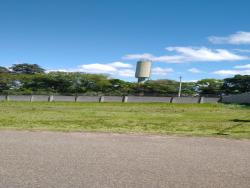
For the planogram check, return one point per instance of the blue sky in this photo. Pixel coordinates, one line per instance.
(196, 39)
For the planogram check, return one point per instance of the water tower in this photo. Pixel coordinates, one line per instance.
(143, 70)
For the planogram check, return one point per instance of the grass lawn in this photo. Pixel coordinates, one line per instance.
(156, 118)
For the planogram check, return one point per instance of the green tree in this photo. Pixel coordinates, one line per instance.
(26, 68)
(209, 87)
(5, 81)
(188, 88)
(157, 88)
(120, 87)
(237, 84)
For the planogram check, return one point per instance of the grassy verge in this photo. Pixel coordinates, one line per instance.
(156, 118)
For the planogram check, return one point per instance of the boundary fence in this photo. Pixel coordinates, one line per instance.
(243, 98)
(61, 98)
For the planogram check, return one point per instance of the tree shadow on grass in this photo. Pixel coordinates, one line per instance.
(240, 123)
(241, 120)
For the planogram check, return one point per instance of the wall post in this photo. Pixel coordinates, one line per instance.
(101, 99)
(31, 98)
(51, 98)
(172, 100)
(7, 98)
(201, 100)
(125, 99)
(76, 98)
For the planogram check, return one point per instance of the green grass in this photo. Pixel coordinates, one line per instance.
(156, 118)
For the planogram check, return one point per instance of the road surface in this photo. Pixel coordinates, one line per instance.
(54, 159)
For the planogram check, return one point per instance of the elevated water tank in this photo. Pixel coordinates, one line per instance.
(143, 70)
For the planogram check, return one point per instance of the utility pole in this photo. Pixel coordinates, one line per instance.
(179, 93)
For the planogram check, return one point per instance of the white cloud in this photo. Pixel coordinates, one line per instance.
(194, 70)
(247, 66)
(239, 69)
(239, 37)
(119, 64)
(98, 68)
(161, 71)
(242, 50)
(232, 72)
(139, 56)
(126, 72)
(115, 68)
(190, 54)
(205, 54)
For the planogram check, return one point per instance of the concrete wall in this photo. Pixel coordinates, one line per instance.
(112, 99)
(88, 99)
(109, 99)
(243, 98)
(2, 97)
(19, 97)
(64, 98)
(40, 98)
(148, 99)
(186, 100)
(211, 100)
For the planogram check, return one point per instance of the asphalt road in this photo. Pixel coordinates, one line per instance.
(52, 159)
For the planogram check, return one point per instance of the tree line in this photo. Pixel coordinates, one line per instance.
(32, 79)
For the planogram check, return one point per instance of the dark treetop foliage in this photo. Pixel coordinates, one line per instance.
(26, 68)
(209, 86)
(237, 84)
